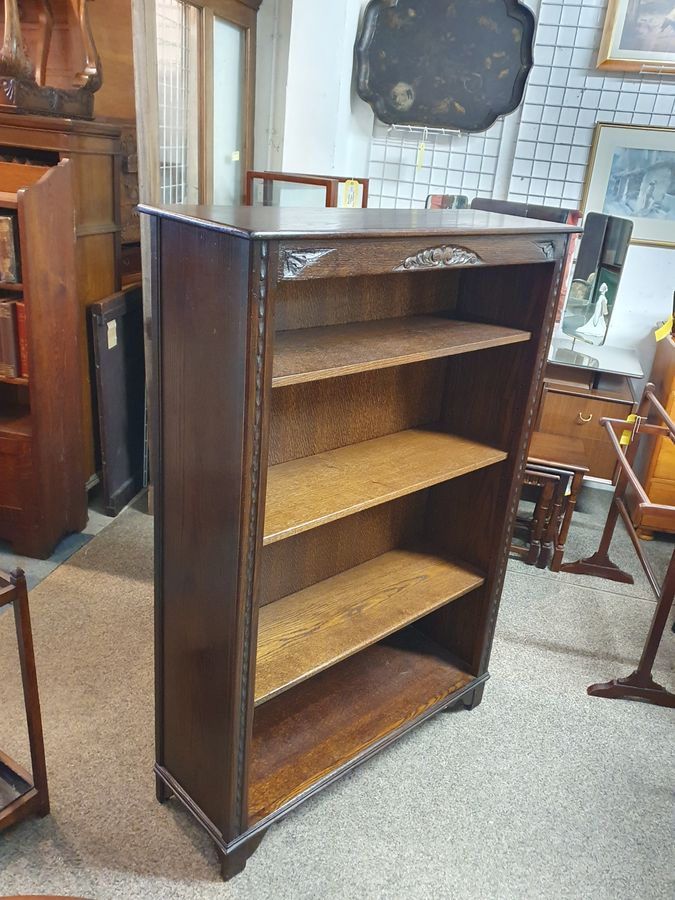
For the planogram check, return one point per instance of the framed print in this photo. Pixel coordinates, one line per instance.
(639, 35)
(631, 174)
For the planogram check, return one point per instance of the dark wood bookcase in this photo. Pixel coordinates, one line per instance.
(343, 402)
(42, 468)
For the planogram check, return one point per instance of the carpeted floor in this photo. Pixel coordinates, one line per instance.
(541, 792)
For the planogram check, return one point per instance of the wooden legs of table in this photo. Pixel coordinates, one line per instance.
(33, 798)
(569, 506)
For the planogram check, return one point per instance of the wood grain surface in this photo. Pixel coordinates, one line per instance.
(305, 493)
(325, 722)
(314, 353)
(313, 629)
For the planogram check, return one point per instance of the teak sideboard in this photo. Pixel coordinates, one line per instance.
(343, 402)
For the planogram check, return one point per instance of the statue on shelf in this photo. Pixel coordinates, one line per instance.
(29, 28)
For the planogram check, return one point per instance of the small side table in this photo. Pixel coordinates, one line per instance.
(23, 794)
(558, 454)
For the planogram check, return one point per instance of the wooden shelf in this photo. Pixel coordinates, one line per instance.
(8, 200)
(324, 723)
(14, 784)
(7, 379)
(15, 422)
(310, 354)
(305, 493)
(306, 632)
(16, 287)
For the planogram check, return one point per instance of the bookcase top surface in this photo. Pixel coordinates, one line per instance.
(272, 222)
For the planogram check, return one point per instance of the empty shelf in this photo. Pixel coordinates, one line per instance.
(305, 493)
(310, 732)
(317, 627)
(311, 354)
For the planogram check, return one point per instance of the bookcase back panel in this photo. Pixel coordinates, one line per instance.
(298, 562)
(317, 416)
(334, 301)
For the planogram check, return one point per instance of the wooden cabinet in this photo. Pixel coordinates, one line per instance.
(94, 150)
(42, 482)
(343, 402)
(656, 467)
(574, 410)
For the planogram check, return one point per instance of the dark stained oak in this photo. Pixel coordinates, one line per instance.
(315, 353)
(310, 731)
(331, 545)
(306, 632)
(269, 222)
(306, 493)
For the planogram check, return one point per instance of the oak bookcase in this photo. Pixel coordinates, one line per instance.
(42, 463)
(342, 406)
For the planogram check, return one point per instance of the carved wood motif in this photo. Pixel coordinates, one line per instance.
(294, 262)
(440, 258)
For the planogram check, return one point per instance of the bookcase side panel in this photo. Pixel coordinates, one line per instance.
(203, 322)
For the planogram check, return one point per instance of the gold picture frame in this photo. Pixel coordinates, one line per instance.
(631, 173)
(638, 37)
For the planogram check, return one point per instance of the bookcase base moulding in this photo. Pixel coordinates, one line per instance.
(343, 402)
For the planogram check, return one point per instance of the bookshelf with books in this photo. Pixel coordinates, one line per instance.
(42, 468)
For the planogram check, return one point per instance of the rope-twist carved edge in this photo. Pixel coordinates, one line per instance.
(518, 475)
(261, 303)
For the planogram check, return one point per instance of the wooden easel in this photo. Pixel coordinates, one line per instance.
(639, 685)
(32, 795)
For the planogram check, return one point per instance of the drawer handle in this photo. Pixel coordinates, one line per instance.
(583, 420)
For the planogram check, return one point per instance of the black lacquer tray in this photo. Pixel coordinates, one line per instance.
(455, 64)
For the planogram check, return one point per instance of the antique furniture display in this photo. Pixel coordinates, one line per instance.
(456, 64)
(23, 794)
(530, 533)
(292, 189)
(656, 467)
(117, 341)
(328, 385)
(639, 685)
(42, 474)
(30, 79)
(94, 151)
(573, 401)
(564, 457)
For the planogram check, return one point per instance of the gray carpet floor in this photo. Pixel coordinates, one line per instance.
(541, 792)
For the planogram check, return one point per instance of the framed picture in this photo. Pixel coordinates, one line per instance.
(631, 174)
(639, 35)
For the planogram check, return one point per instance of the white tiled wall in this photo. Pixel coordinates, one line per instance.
(464, 164)
(565, 97)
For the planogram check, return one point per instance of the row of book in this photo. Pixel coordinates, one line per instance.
(9, 257)
(13, 339)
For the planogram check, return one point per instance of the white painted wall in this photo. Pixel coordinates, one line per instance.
(327, 129)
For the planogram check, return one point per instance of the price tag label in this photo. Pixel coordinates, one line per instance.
(627, 436)
(112, 334)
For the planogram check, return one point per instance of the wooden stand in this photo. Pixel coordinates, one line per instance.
(30, 793)
(639, 685)
(344, 401)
